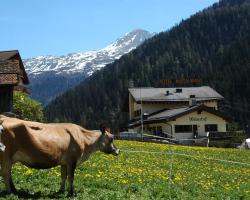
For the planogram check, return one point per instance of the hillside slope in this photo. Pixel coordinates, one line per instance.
(212, 45)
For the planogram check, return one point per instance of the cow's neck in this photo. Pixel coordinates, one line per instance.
(97, 145)
(92, 141)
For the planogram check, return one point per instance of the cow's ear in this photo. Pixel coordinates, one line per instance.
(102, 128)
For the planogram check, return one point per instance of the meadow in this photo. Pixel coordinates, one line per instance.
(145, 171)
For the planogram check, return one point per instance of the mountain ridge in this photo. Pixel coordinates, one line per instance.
(77, 62)
(64, 72)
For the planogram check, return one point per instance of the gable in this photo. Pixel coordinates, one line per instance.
(11, 65)
(197, 117)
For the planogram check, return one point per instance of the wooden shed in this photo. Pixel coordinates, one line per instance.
(12, 77)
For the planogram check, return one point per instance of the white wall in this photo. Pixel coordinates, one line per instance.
(200, 120)
(212, 104)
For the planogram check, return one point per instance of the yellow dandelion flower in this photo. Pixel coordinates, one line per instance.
(28, 172)
(87, 175)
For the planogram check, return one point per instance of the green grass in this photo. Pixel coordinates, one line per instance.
(144, 175)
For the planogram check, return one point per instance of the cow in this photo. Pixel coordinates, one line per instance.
(245, 144)
(42, 146)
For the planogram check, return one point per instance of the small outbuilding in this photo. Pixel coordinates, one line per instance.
(12, 77)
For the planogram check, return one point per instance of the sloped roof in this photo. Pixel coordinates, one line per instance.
(166, 114)
(6, 66)
(172, 114)
(160, 94)
(6, 55)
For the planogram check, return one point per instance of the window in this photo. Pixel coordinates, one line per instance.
(156, 130)
(211, 127)
(178, 90)
(183, 129)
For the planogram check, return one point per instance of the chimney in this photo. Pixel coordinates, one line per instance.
(192, 100)
(178, 90)
(131, 84)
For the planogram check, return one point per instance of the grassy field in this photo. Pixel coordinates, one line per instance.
(143, 175)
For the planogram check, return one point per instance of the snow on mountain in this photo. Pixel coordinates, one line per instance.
(64, 72)
(86, 62)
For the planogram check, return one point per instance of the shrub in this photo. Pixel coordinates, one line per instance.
(26, 107)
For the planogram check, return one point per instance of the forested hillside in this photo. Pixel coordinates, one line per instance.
(212, 45)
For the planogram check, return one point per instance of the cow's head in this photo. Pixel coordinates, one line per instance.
(107, 142)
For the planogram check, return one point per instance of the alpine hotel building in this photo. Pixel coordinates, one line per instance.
(181, 113)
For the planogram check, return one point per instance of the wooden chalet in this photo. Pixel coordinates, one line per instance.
(12, 77)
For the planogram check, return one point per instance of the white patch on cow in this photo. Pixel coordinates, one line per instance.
(248, 142)
(22, 157)
(2, 146)
(1, 129)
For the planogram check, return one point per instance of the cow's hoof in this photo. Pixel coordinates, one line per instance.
(10, 192)
(61, 191)
(71, 194)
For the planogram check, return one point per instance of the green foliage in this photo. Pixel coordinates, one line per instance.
(144, 176)
(27, 108)
(212, 45)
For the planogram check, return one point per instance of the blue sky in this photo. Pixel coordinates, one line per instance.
(58, 27)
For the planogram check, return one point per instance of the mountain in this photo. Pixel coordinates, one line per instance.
(63, 72)
(213, 45)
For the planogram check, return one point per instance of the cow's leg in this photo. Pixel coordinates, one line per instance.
(70, 172)
(13, 189)
(6, 173)
(1, 163)
(63, 177)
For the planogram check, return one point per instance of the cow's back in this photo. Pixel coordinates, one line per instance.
(39, 145)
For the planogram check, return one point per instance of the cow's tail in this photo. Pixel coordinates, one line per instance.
(2, 146)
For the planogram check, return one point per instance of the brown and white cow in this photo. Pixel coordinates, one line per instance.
(43, 146)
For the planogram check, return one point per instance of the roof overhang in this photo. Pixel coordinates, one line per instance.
(178, 101)
(153, 120)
